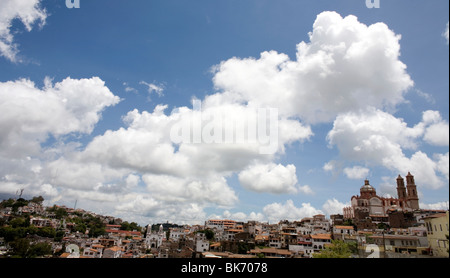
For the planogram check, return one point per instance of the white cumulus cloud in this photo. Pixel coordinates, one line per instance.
(270, 178)
(31, 114)
(28, 12)
(288, 211)
(379, 138)
(345, 66)
(333, 206)
(356, 172)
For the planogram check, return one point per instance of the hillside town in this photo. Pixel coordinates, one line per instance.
(28, 229)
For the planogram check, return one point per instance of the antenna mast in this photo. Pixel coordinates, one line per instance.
(19, 192)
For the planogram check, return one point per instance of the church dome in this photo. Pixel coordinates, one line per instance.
(367, 187)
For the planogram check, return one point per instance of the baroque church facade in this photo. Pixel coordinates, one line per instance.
(154, 239)
(369, 202)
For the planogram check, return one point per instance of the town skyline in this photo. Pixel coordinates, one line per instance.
(183, 111)
(345, 210)
(30, 230)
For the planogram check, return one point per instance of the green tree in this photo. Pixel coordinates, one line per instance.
(20, 247)
(59, 235)
(80, 227)
(244, 247)
(8, 233)
(18, 222)
(40, 249)
(60, 213)
(38, 200)
(96, 231)
(209, 234)
(32, 230)
(7, 203)
(130, 226)
(46, 232)
(337, 249)
(19, 203)
(23, 249)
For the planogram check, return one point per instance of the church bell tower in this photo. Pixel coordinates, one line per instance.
(401, 189)
(412, 198)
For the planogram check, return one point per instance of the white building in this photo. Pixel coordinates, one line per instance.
(177, 233)
(320, 240)
(201, 243)
(112, 252)
(342, 232)
(154, 239)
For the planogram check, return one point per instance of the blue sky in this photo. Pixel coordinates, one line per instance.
(361, 93)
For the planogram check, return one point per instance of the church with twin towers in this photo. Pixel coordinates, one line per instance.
(368, 201)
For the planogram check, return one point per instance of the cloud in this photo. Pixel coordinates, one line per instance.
(437, 131)
(28, 12)
(142, 207)
(74, 173)
(239, 216)
(156, 135)
(329, 166)
(179, 173)
(443, 164)
(213, 190)
(372, 133)
(378, 138)
(445, 34)
(157, 166)
(356, 172)
(276, 212)
(153, 88)
(436, 206)
(170, 175)
(270, 178)
(306, 189)
(129, 89)
(288, 211)
(346, 66)
(333, 206)
(33, 118)
(31, 114)
(428, 97)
